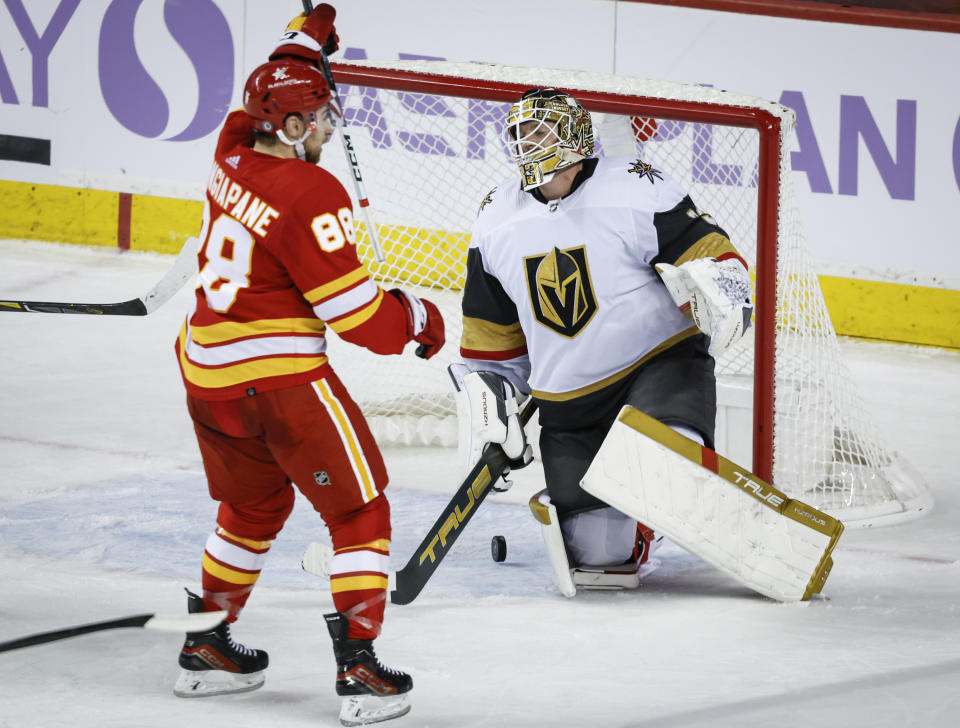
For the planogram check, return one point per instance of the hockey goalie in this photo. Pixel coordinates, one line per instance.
(599, 288)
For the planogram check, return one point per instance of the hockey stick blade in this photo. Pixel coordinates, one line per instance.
(318, 557)
(180, 272)
(197, 622)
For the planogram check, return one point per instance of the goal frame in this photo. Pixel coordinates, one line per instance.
(767, 125)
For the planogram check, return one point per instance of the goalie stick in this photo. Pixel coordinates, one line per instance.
(349, 151)
(182, 269)
(405, 585)
(196, 622)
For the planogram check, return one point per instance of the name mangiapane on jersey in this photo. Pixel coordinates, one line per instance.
(251, 212)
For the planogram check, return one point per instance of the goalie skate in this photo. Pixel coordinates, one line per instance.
(624, 576)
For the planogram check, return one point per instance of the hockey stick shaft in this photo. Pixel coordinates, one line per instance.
(197, 622)
(348, 150)
(182, 269)
(493, 463)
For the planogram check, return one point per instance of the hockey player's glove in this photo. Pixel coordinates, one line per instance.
(715, 294)
(307, 35)
(488, 412)
(424, 323)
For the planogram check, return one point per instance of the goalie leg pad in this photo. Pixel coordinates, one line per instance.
(599, 536)
(546, 513)
(713, 508)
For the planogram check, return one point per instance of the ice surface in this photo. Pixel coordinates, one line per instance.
(104, 512)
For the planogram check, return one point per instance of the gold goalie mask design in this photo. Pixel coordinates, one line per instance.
(547, 131)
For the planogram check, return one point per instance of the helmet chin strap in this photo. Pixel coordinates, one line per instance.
(297, 144)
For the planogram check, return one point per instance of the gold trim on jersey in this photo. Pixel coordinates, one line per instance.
(229, 375)
(230, 330)
(616, 377)
(481, 335)
(359, 317)
(316, 295)
(712, 245)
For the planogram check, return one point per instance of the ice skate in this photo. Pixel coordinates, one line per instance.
(213, 664)
(371, 691)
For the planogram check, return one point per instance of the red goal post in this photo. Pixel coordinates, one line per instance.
(425, 131)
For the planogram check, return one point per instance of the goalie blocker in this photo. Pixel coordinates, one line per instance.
(713, 508)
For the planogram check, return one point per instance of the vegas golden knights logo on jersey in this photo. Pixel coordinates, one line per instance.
(560, 290)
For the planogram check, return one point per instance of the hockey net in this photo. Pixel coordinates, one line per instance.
(426, 134)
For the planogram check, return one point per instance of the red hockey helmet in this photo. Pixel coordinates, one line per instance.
(280, 88)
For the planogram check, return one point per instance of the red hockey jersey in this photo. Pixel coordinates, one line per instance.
(278, 264)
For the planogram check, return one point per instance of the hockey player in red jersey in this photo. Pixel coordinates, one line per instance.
(277, 267)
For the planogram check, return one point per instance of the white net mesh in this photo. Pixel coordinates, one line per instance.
(428, 158)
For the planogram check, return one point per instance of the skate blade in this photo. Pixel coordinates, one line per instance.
(365, 709)
(205, 683)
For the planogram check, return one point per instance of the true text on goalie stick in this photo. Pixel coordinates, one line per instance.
(409, 581)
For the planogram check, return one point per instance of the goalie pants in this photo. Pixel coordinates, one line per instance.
(255, 450)
(677, 387)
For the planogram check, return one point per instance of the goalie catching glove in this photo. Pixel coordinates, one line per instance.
(488, 412)
(715, 294)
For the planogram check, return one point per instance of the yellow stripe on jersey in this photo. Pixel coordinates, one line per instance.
(227, 574)
(617, 376)
(380, 544)
(249, 542)
(230, 330)
(356, 583)
(232, 374)
(355, 319)
(315, 295)
(348, 437)
(709, 246)
(480, 335)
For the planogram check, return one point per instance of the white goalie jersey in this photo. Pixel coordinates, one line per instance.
(570, 285)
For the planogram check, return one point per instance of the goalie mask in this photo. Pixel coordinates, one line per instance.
(280, 88)
(547, 131)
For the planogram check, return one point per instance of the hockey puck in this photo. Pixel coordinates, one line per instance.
(498, 548)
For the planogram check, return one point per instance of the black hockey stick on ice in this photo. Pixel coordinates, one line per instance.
(196, 622)
(407, 583)
(183, 267)
(359, 186)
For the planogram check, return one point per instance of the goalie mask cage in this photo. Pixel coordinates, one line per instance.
(427, 136)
